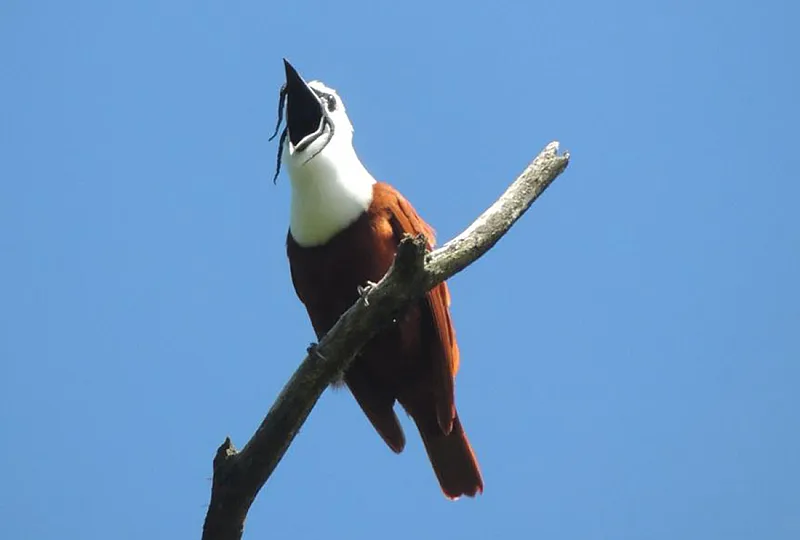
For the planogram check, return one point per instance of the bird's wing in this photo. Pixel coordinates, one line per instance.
(442, 346)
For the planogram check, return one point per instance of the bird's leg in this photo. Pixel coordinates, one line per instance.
(313, 350)
(363, 291)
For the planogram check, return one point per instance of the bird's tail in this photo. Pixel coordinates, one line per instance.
(452, 458)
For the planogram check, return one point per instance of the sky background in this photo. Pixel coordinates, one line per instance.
(630, 350)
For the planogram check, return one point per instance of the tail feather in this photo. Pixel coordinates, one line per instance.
(453, 460)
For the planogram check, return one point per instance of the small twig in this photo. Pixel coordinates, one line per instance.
(238, 477)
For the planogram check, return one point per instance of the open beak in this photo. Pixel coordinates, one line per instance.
(304, 115)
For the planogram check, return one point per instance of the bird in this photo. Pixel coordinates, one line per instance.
(344, 231)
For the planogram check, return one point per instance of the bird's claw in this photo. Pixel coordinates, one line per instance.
(313, 350)
(364, 290)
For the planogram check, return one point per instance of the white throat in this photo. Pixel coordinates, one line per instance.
(329, 191)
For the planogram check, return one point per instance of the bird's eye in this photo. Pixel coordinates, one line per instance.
(331, 102)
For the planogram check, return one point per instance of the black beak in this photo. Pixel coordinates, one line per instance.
(303, 109)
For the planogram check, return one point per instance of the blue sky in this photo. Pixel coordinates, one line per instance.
(629, 351)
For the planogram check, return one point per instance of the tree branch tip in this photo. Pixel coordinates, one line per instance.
(411, 252)
(225, 451)
(417, 240)
(552, 148)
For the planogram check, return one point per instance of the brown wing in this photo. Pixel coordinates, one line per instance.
(317, 278)
(441, 344)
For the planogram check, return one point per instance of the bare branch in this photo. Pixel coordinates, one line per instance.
(238, 477)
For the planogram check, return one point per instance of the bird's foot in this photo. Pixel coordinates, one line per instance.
(313, 350)
(363, 291)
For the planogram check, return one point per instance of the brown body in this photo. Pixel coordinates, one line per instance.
(414, 361)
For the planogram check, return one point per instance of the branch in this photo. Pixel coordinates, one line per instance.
(238, 476)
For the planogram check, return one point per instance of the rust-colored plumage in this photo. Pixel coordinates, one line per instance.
(415, 360)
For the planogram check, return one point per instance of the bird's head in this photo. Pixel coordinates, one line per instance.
(316, 120)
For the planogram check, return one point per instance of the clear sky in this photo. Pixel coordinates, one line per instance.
(630, 351)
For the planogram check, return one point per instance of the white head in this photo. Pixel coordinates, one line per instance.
(330, 186)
